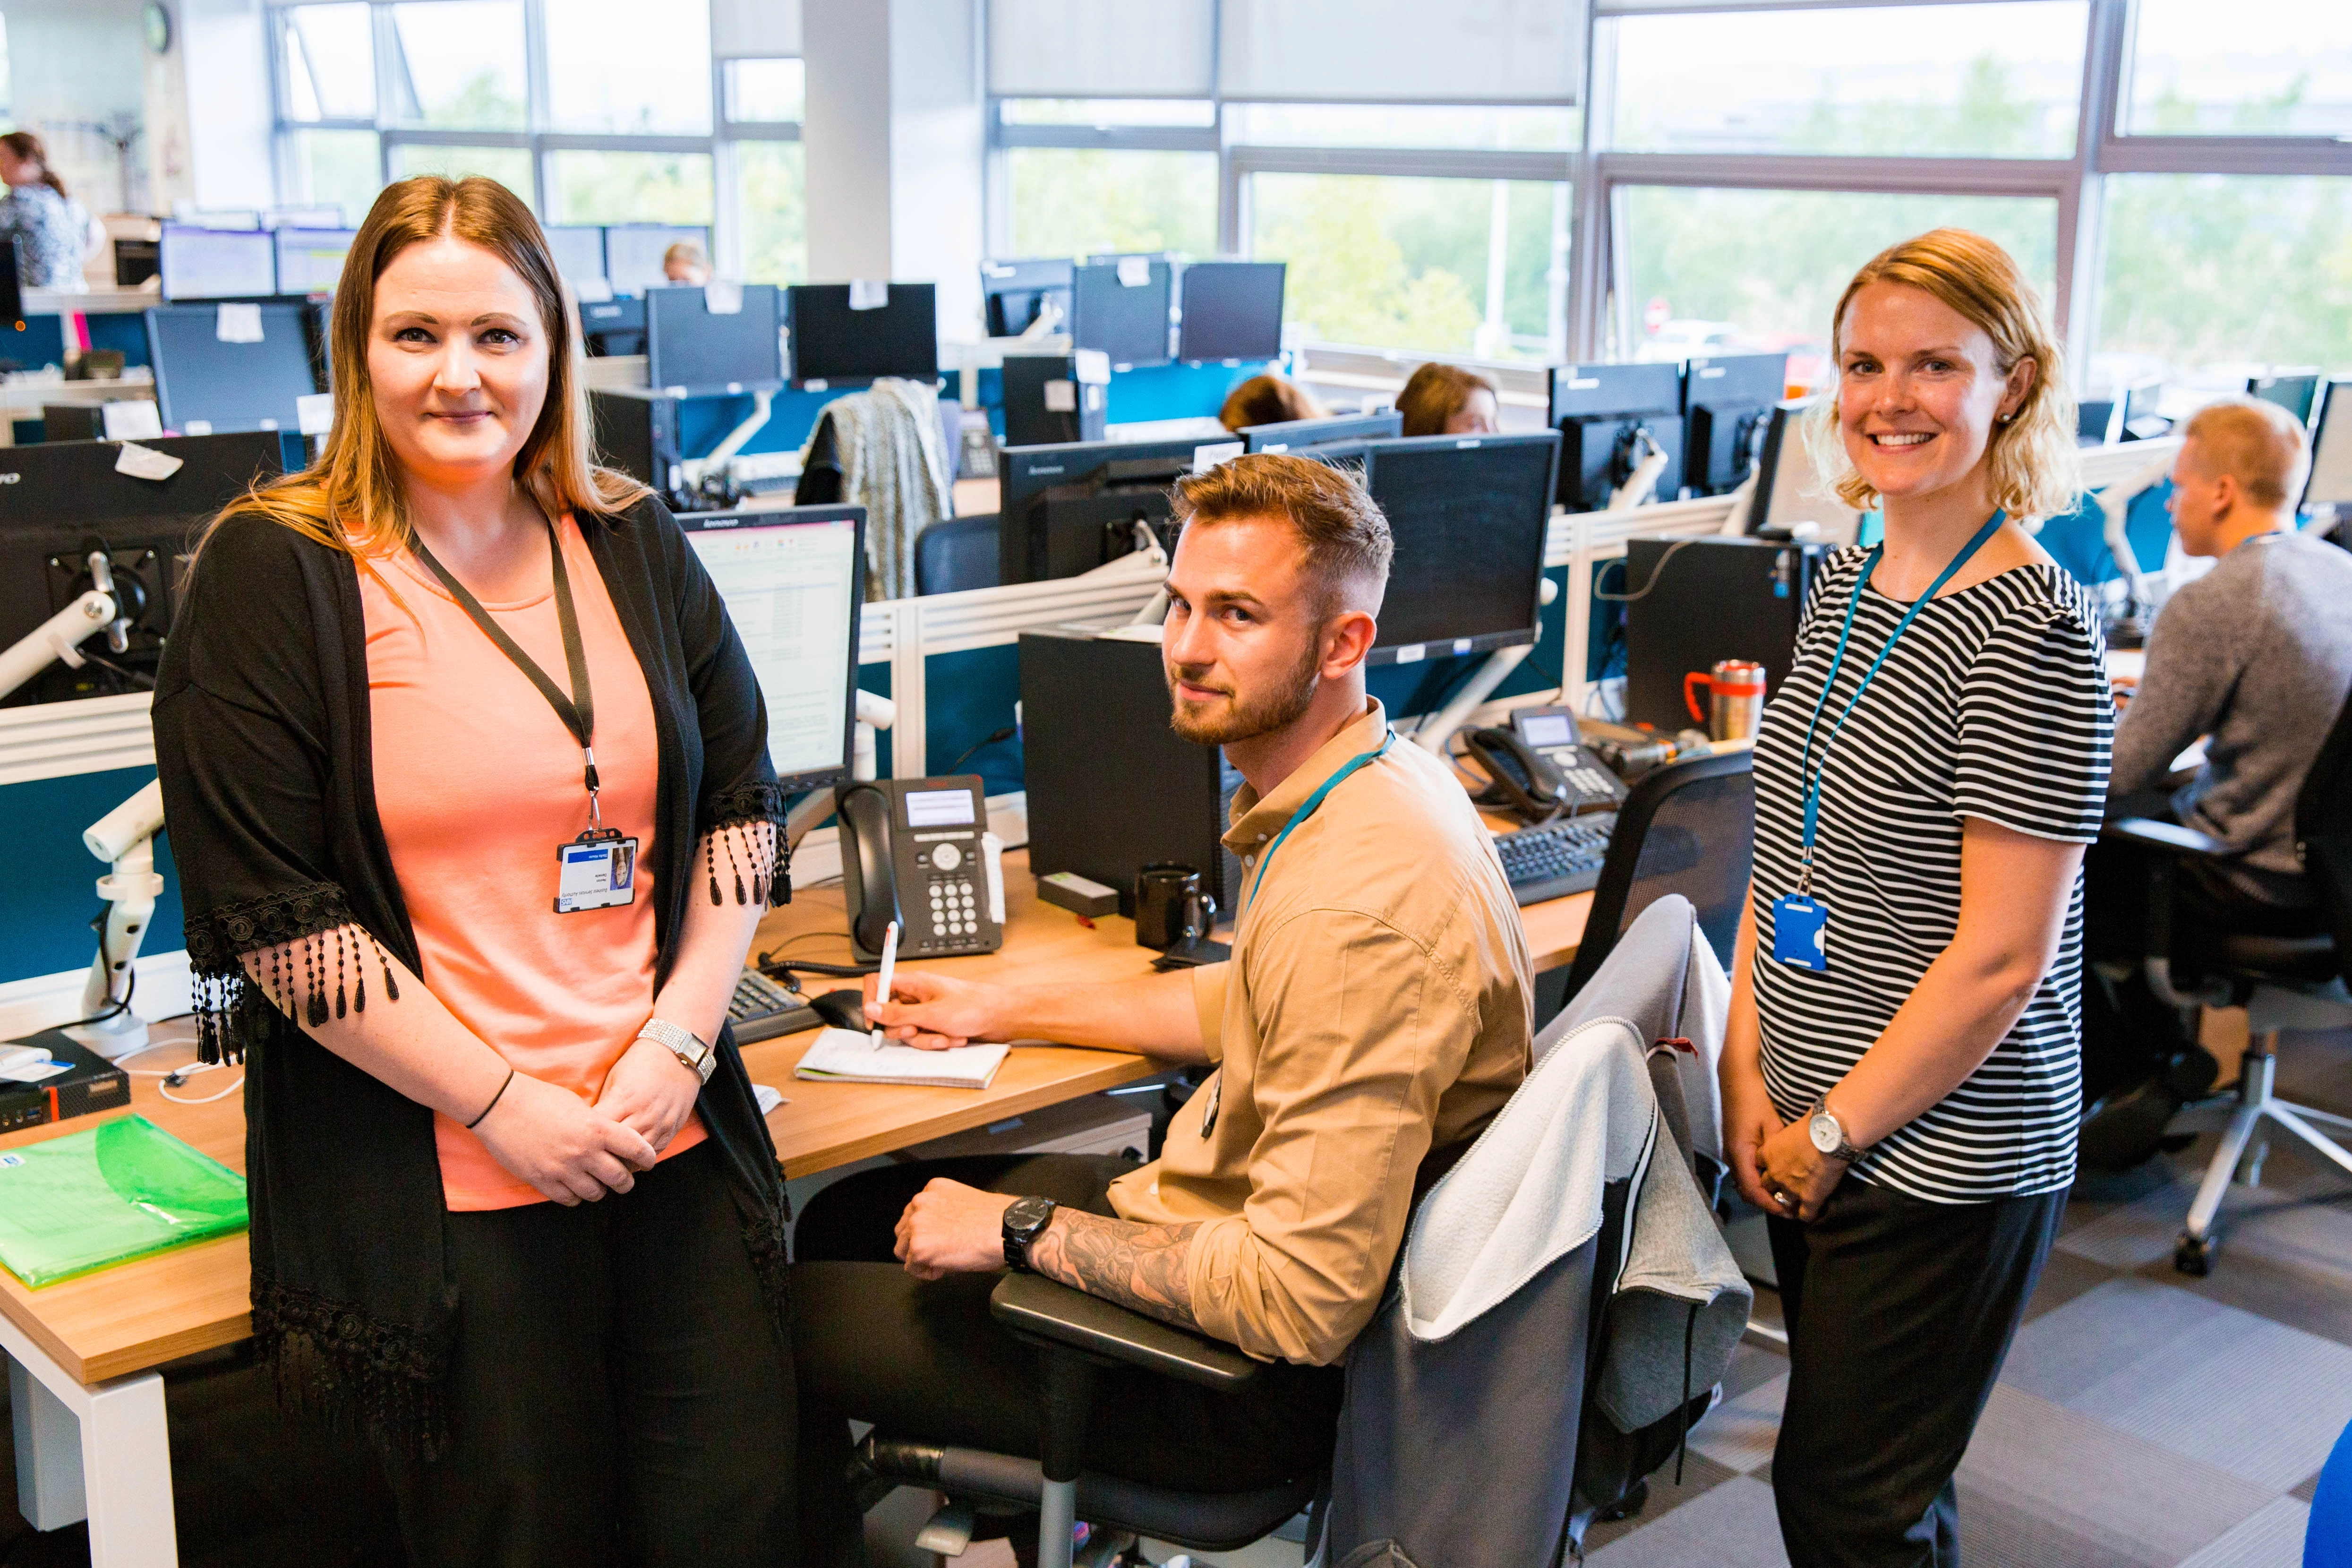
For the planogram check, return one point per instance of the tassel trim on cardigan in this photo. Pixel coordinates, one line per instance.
(313, 966)
(744, 848)
(333, 1360)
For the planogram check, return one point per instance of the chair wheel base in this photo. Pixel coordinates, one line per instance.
(2193, 1255)
(1632, 1504)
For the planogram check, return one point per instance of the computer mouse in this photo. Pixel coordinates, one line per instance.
(28, 1056)
(842, 1009)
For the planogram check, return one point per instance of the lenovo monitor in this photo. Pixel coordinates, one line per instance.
(1469, 515)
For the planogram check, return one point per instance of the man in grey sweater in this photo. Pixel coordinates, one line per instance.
(2256, 654)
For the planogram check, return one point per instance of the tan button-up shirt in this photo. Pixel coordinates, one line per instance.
(1377, 1005)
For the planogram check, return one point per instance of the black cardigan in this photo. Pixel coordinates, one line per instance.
(262, 741)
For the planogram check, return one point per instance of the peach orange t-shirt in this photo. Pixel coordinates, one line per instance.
(476, 783)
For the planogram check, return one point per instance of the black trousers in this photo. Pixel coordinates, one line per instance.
(622, 1393)
(1899, 1312)
(924, 1359)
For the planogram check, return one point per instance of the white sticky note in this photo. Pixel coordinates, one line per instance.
(34, 1072)
(769, 1099)
(1061, 398)
(1093, 366)
(723, 296)
(868, 293)
(1206, 458)
(1412, 653)
(815, 383)
(196, 427)
(131, 420)
(314, 412)
(145, 462)
(238, 323)
(1134, 271)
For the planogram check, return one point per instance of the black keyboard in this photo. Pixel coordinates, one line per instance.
(1557, 859)
(761, 1010)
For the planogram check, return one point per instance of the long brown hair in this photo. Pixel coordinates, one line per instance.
(29, 147)
(1436, 394)
(352, 498)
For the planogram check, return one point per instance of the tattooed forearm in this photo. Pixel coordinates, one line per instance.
(1146, 1268)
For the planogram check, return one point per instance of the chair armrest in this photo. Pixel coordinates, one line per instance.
(1042, 1313)
(2164, 836)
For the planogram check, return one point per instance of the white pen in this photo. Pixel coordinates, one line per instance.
(882, 984)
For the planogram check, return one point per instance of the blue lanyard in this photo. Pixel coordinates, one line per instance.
(1807, 768)
(1307, 810)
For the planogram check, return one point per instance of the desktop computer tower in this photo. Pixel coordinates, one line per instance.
(1701, 599)
(637, 432)
(1112, 789)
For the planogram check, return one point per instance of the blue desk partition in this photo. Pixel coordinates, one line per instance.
(45, 920)
(34, 342)
(1181, 391)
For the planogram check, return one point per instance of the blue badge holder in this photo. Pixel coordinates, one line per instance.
(1801, 932)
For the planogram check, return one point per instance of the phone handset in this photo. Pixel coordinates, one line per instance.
(868, 866)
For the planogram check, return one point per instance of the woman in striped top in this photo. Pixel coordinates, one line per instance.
(1901, 1080)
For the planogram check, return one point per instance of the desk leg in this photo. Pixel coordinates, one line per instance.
(103, 1454)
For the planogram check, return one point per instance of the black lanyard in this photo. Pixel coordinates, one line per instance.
(579, 714)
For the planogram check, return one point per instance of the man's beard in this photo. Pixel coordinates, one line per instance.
(1246, 720)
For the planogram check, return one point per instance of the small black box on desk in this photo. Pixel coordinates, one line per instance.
(89, 1083)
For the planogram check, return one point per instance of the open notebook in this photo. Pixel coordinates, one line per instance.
(840, 1056)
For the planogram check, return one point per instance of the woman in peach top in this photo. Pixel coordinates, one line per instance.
(455, 737)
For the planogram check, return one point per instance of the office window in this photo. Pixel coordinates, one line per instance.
(629, 187)
(1436, 266)
(2211, 277)
(1073, 201)
(339, 166)
(2255, 68)
(771, 184)
(1951, 80)
(1108, 114)
(1403, 125)
(1732, 271)
(766, 91)
(618, 65)
(461, 64)
(510, 166)
(330, 62)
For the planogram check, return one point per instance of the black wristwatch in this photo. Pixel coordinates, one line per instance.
(1024, 1222)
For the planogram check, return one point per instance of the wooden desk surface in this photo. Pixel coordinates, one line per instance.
(128, 1319)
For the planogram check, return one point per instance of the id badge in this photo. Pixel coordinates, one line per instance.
(596, 871)
(1800, 931)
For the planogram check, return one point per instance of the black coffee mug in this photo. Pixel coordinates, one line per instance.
(1172, 906)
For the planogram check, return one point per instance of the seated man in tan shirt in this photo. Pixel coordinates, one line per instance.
(1375, 1012)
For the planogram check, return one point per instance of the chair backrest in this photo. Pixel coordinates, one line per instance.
(1688, 827)
(956, 553)
(2323, 832)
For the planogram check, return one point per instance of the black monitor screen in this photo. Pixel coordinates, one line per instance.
(205, 384)
(1018, 292)
(1300, 434)
(1468, 514)
(1580, 391)
(578, 249)
(1125, 320)
(1729, 379)
(1233, 309)
(689, 347)
(834, 341)
(2330, 483)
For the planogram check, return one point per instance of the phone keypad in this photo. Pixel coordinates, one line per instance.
(955, 915)
(1581, 776)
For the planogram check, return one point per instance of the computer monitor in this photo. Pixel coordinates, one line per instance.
(326, 215)
(1726, 403)
(2098, 421)
(2296, 390)
(201, 263)
(1468, 515)
(2141, 422)
(613, 326)
(690, 348)
(1048, 403)
(206, 385)
(578, 249)
(1610, 417)
(2330, 483)
(1069, 508)
(793, 581)
(1127, 321)
(61, 501)
(1302, 435)
(1018, 292)
(1231, 310)
(1788, 491)
(311, 260)
(833, 341)
(633, 252)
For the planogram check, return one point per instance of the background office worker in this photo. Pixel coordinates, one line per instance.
(1375, 1014)
(1267, 400)
(51, 230)
(1901, 1084)
(685, 262)
(498, 1216)
(1447, 400)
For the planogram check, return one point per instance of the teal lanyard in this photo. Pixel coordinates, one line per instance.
(1808, 768)
(1307, 810)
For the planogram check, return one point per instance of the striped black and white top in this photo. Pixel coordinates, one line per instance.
(1994, 704)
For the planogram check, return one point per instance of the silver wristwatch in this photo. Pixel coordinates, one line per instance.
(684, 1044)
(1828, 1134)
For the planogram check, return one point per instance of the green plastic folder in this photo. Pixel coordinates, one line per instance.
(122, 1189)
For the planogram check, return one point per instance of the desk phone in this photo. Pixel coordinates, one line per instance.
(917, 851)
(1551, 733)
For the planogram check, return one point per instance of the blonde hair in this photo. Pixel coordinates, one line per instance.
(2258, 443)
(353, 498)
(2031, 461)
(1436, 393)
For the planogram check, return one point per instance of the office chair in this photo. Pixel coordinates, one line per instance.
(1688, 827)
(2282, 982)
(956, 553)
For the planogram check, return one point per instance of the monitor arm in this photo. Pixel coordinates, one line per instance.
(734, 441)
(875, 712)
(1642, 485)
(2115, 503)
(62, 634)
(1435, 729)
(125, 837)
